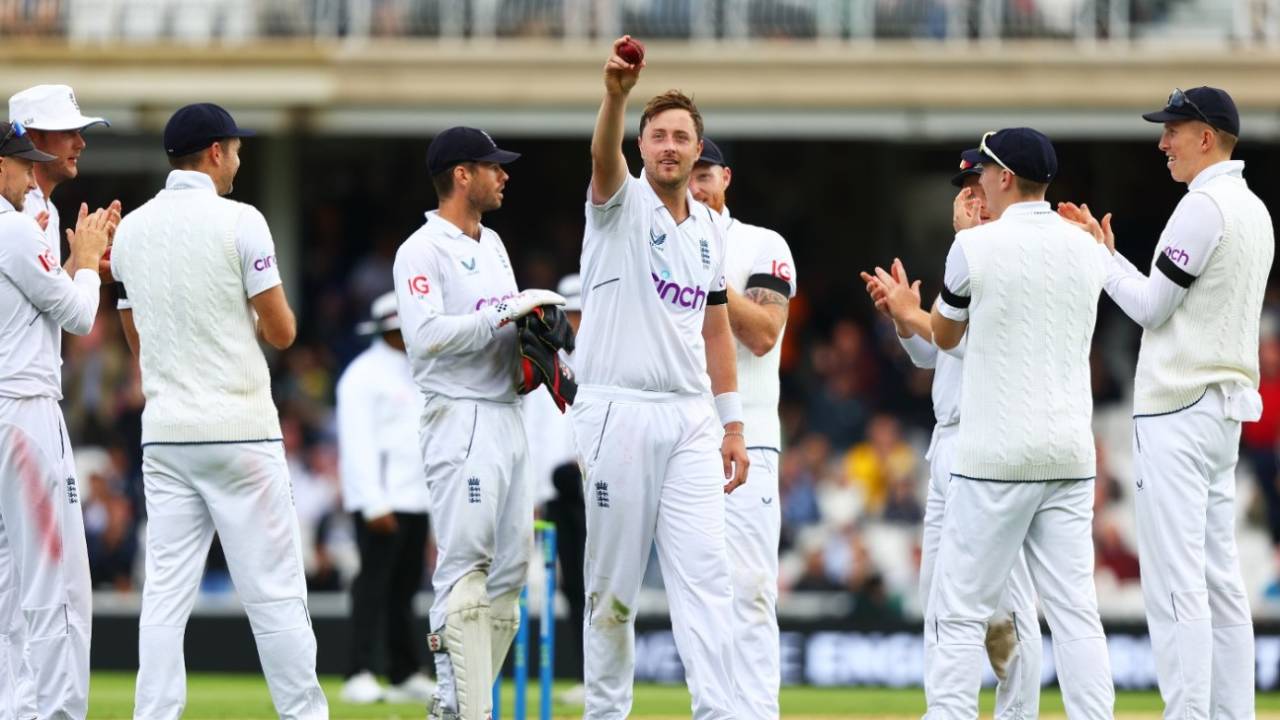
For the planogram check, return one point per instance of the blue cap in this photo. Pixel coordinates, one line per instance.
(967, 168)
(1025, 152)
(195, 127)
(1210, 105)
(711, 154)
(463, 144)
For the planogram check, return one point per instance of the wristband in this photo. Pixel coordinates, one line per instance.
(729, 407)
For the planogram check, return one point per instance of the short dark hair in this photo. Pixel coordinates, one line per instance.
(192, 159)
(671, 100)
(1030, 188)
(443, 180)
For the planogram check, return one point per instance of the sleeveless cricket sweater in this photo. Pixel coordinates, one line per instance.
(1026, 405)
(203, 373)
(1212, 337)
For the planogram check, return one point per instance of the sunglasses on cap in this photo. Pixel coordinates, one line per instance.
(982, 146)
(16, 130)
(1179, 99)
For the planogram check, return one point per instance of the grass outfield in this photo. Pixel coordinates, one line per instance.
(244, 697)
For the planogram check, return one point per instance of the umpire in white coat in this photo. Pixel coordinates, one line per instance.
(384, 488)
(1197, 380)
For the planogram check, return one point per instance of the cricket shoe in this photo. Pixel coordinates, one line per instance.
(361, 689)
(576, 695)
(417, 688)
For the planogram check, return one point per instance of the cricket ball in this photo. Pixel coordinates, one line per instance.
(632, 51)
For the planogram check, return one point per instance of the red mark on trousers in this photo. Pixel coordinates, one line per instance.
(38, 499)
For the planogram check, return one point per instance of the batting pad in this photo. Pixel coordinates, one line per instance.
(468, 638)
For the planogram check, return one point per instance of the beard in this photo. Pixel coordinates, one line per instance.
(16, 198)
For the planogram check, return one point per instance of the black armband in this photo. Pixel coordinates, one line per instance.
(769, 282)
(718, 297)
(1180, 277)
(960, 302)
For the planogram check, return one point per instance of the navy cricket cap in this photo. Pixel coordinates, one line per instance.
(1210, 105)
(463, 144)
(1025, 152)
(711, 154)
(967, 168)
(195, 127)
(15, 143)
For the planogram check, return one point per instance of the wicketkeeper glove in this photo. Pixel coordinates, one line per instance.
(543, 333)
(520, 305)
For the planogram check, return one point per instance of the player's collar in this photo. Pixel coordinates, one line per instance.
(189, 180)
(657, 203)
(1226, 167)
(449, 229)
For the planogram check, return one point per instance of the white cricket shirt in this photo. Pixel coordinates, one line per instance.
(758, 257)
(646, 282)
(948, 374)
(378, 409)
(443, 278)
(37, 203)
(37, 302)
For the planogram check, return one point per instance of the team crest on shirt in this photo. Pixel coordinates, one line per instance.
(657, 240)
(469, 266)
(705, 247)
(473, 490)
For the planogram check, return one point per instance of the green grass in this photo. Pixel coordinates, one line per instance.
(244, 697)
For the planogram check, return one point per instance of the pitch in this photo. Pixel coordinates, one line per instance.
(244, 697)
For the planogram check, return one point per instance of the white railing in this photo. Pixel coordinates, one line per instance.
(230, 21)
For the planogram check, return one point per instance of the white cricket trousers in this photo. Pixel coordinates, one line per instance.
(1197, 607)
(242, 491)
(653, 473)
(753, 526)
(985, 525)
(1018, 692)
(45, 590)
(475, 456)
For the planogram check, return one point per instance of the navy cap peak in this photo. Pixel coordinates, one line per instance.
(711, 154)
(1026, 152)
(464, 144)
(195, 127)
(1212, 106)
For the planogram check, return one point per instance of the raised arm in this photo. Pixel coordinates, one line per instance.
(608, 164)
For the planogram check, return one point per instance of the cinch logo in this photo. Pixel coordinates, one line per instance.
(484, 302)
(418, 285)
(692, 298)
(264, 263)
(1177, 255)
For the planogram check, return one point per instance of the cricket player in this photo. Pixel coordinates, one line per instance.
(458, 297)
(760, 273)
(56, 126)
(1013, 641)
(655, 343)
(1022, 476)
(1197, 381)
(382, 487)
(200, 286)
(45, 604)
